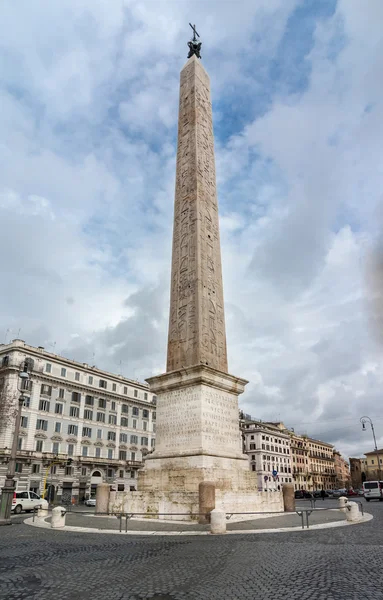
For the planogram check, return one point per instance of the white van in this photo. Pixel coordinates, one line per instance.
(27, 501)
(373, 490)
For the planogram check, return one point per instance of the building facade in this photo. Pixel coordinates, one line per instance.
(321, 465)
(358, 470)
(342, 471)
(80, 425)
(374, 465)
(300, 461)
(268, 448)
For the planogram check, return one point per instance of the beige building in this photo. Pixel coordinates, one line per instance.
(321, 465)
(104, 424)
(300, 461)
(374, 469)
(358, 470)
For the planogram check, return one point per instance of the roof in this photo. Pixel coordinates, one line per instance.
(373, 452)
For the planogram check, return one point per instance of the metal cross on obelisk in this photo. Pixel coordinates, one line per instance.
(194, 44)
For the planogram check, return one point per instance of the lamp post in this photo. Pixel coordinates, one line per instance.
(365, 420)
(9, 485)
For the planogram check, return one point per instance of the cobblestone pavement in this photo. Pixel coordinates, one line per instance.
(325, 564)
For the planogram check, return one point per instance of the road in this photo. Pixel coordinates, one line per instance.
(312, 565)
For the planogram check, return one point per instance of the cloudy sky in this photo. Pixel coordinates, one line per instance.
(89, 96)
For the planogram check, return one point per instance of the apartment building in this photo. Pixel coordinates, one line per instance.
(268, 448)
(80, 425)
(300, 461)
(321, 465)
(342, 471)
(374, 465)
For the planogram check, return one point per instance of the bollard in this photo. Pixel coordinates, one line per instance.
(352, 512)
(206, 494)
(343, 503)
(43, 510)
(102, 497)
(217, 521)
(58, 517)
(288, 497)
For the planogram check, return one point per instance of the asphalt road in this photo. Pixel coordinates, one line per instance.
(327, 564)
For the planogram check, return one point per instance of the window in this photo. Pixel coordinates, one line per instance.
(86, 432)
(42, 425)
(19, 443)
(122, 455)
(88, 414)
(89, 400)
(63, 372)
(251, 437)
(102, 403)
(154, 400)
(84, 471)
(253, 447)
(153, 443)
(113, 406)
(46, 390)
(136, 393)
(145, 425)
(74, 411)
(144, 441)
(253, 467)
(55, 447)
(27, 402)
(48, 368)
(24, 421)
(58, 409)
(57, 427)
(84, 451)
(61, 393)
(124, 422)
(145, 396)
(121, 475)
(133, 456)
(123, 438)
(39, 445)
(125, 409)
(44, 405)
(100, 417)
(90, 379)
(70, 449)
(154, 428)
(134, 439)
(111, 436)
(134, 424)
(35, 468)
(98, 452)
(72, 429)
(135, 411)
(145, 414)
(99, 434)
(112, 419)
(77, 376)
(154, 415)
(68, 470)
(102, 384)
(125, 390)
(76, 397)
(5, 361)
(110, 455)
(114, 387)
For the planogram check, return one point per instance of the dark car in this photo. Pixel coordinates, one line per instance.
(318, 494)
(299, 494)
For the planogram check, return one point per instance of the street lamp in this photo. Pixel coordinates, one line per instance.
(10, 484)
(365, 420)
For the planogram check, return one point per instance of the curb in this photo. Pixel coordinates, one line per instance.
(41, 523)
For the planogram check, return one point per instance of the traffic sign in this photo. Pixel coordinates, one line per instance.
(275, 473)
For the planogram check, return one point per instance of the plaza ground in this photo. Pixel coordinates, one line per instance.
(328, 564)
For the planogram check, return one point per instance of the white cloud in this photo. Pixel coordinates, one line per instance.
(89, 95)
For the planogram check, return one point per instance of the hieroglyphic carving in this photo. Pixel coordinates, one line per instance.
(197, 323)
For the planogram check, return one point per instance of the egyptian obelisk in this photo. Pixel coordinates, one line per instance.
(197, 435)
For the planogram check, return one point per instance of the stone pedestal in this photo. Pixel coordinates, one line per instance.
(217, 522)
(58, 517)
(102, 497)
(352, 512)
(288, 497)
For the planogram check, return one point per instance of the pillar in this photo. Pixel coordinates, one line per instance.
(288, 497)
(206, 493)
(102, 497)
(217, 521)
(58, 517)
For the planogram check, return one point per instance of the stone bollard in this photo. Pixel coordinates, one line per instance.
(58, 517)
(102, 497)
(288, 497)
(343, 503)
(217, 521)
(206, 493)
(43, 511)
(352, 512)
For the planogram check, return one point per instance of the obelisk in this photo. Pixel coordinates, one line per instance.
(197, 435)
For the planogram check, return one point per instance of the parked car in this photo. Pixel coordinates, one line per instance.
(90, 502)
(27, 501)
(330, 493)
(373, 490)
(318, 494)
(299, 494)
(352, 492)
